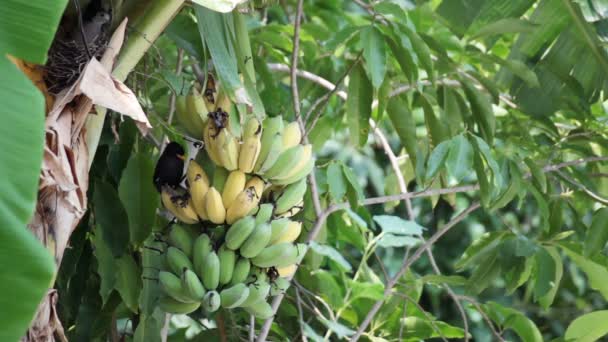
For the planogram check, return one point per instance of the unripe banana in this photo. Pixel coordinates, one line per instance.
(256, 242)
(180, 238)
(239, 231)
(228, 148)
(264, 213)
(258, 291)
(305, 158)
(202, 247)
(280, 255)
(235, 184)
(215, 207)
(292, 135)
(196, 105)
(273, 126)
(170, 305)
(291, 233)
(192, 285)
(210, 139)
(234, 296)
(261, 310)
(177, 261)
(278, 228)
(274, 151)
(279, 286)
(241, 271)
(172, 286)
(310, 165)
(187, 117)
(293, 211)
(198, 183)
(227, 259)
(220, 176)
(211, 301)
(291, 195)
(287, 271)
(211, 271)
(286, 162)
(170, 202)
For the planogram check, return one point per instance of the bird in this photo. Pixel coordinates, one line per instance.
(170, 166)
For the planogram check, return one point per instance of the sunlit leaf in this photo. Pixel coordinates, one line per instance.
(586, 328)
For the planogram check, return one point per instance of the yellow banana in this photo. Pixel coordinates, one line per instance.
(246, 201)
(291, 233)
(210, 139)
(198, 183)
(292, 211)
(235, 183)
(287, 271)
(292, 135)
(184, 204)
(250, 149)
(174, 205)
(214, 206)
(228, 149)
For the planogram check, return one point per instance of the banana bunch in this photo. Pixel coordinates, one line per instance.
(239, 267)
(191, 113)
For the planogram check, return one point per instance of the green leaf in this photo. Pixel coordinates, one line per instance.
(111, 217)
(405, 126)
(485, 191)
(128, 281)
(479, 249)
(404, 58)
(396, 225)
(481, 109)
(354, 192)
(459, 162)
(540, 180)
(545, 273)
(374, 291)
(359, 105)
(339, 329)
(28, 28)
(435, 126)
(484, 274)
(332, 254)
(515, 320)
(506, 25)
(105, 265)
(374, 52)
(139, 196)
(438, 279)
(546, 300)
(597, 234)
(335, 181)
(391, 240)
(437, 159)
(183, 31)
(383, 98)
(329, 288)
(585, 328)
(421, 49)
(596, 272)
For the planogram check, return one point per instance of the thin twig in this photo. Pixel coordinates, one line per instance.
(251, 328)
(483, 314)
(300, 315)
(583, 188)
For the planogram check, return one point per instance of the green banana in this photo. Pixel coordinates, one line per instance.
(274, 151)
(281, 254)
(292, 135)
(212, 301)
(234, 296)
(172, 286)
(239, 231)
(290, 233)
(291, 195)
(261, 310)
(278, 228)
(170, 305)
(305, 171)
(227, 259)
(286, 162)
(256, 242)
(177, 260)
(272, 127)
(279, 286)
(211, 271)
(258, 291)
(192, 285)
(202, 247)
(180, 238)
(264, 213)
(241, 271)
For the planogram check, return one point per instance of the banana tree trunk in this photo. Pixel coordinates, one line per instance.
(71, 141)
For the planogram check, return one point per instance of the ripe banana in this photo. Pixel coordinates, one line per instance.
(227, 259)
(264, 213)
(261, 310)
(274, 151)
(171, 203)
(202, 247)
(198, 183)
(214, 206)
(180, 238)
(196, 105)
(211, 271)
(228, 149)
(190, 120)
(256, 242)
(170, 305)
(287, 271)
(210, 139)
(286, 162)
(239, 231)
(291, 195)
(177, 260)
(258, 291)
(241, 271)
(234, 296)
(172, 286)
(278, 255)
(279, 286)
(212, 301)
(292, 135)
(290, 234)
(273, 126)
(235, 184)
(185, 206)
(278, 228)
(246, 201)
(252, 142)
(192, 285)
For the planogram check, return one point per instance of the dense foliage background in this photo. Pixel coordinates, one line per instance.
(460, 184)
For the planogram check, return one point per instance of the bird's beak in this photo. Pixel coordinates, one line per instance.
(181, 156)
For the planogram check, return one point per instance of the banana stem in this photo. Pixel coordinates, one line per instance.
(145, 31)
